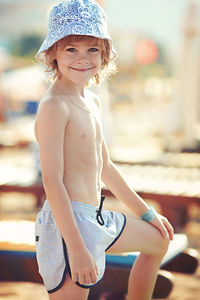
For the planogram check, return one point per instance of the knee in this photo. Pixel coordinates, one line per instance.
(161, 246)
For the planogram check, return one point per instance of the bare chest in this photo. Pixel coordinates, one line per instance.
(84, 131)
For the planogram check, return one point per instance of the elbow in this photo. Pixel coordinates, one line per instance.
(51, 180)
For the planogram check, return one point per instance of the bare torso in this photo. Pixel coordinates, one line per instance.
(82, 148)
(82, 153)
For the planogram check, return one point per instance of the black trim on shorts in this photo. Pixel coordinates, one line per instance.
(66, 270)
(118, 234)
(67, 266)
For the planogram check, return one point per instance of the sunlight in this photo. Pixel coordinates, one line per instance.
(16, 232)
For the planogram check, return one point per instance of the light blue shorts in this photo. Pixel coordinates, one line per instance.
(99, 229)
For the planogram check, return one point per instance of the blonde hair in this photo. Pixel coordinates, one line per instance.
(108, 67)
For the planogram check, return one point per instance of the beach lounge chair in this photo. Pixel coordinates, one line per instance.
(18, 262)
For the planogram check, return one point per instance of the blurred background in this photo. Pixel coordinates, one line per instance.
(158, 69)
(151, 106)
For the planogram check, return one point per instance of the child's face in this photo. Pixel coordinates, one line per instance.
(78, 61)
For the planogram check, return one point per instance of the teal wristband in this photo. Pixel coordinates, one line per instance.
(149, 215)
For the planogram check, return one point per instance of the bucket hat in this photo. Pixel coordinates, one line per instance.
(75, 17)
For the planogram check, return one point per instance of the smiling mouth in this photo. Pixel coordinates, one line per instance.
(81, 70)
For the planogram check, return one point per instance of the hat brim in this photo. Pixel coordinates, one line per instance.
(49, 42)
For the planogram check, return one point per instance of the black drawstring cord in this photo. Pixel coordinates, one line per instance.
(99, 217)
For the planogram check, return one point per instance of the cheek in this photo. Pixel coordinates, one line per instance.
(60, 66)
(97, 61)
(62, 57)
(62, 62)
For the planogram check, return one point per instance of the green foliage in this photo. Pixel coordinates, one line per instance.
(152, 70)
(27, 45)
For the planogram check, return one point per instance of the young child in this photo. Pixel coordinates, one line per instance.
(72, 229)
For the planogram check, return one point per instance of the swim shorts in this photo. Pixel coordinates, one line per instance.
(99, 229)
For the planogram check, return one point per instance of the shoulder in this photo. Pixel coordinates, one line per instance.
(54, 103)
(52, 110)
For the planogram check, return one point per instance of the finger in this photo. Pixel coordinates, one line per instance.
(81, 279)
(170, 229)
(96, 269)
(74, 277)
(164, 231)
(93, 276)
(158, 224)
(167, 228)
(87, 279)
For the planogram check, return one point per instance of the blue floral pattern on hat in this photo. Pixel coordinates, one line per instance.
(74, 17)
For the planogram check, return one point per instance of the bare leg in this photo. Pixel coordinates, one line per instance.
(142, 277)
(141, 236)
(69, 291)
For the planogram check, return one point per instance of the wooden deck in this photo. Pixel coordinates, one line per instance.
(174, 188)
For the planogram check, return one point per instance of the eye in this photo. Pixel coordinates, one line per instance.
(71, 50)
(93, 50)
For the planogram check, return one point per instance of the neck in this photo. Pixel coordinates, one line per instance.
(69, 88)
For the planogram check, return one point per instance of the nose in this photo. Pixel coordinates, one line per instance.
(83, 58)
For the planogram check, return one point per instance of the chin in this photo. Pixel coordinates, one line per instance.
(81, 81)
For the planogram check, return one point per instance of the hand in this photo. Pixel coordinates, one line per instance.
(83, 267)
(163, 225)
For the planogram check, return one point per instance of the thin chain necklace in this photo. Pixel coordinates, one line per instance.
(84, 108)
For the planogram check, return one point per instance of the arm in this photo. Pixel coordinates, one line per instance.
(117, 184)
(52, 119)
